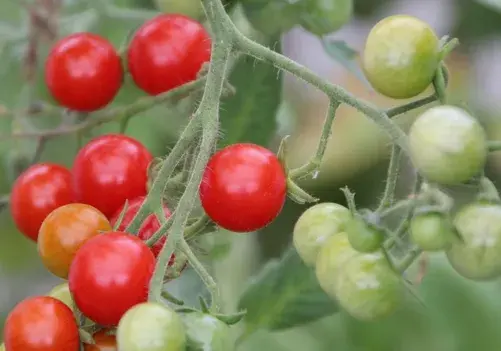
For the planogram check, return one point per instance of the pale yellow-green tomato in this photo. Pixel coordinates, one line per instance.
(315, 226)
(401, 56)
(447, 145)
(368, 288)
(330, 261)
(151, 327)
(190, 8)
(62, 293)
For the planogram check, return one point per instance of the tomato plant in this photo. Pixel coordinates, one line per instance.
(243, 188)
(41, 323)
(315, 226)
(109, 170)
(151, 327)
(447, 145)
(109, 275)
(37, 192)
(401, 56)
(103, 342)
(166, 52)
(83, 72)
(149, 226)
(64, 231)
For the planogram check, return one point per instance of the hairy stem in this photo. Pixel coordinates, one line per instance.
(391, 180)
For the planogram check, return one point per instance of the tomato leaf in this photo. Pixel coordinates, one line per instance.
(346, 56)
(285, 294)
(250, 114)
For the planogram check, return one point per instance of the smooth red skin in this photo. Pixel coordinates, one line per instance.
(83, 72)
(109, 170)
(166, 52)
(149, 226)
(36, 193)
(243, 187)
(41, 323)
(109, 275)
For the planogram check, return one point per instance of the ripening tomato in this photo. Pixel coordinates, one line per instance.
(109, 170)
(109, 275)
(151, 327)
(401, 56)
(41, 323)
(104, 342)
(149, 226)
(62, 293)
(166, 52)
(83, 72)
(315, 226)
(64, 231)
(243, 187)
(37, 192)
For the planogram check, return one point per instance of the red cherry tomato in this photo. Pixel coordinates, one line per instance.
(166, 52)
(37, 192)
(109, 275)
(243, 188)
(148, 227)
(83, 72)
(109, 170)
(41, 323)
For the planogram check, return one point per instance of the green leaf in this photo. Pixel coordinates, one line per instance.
(346, 56)
(285, 294)
(250, 114)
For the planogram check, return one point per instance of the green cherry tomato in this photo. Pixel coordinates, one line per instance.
(62, 293)
(477, 255)
(401, 56)
(272, 17)
(332, 256)
(367, 287)
(315, 226)
(431, 231)
(2, 347)
(322, 17)
(447, 145)
(363, 236)
(190, 8)
(205, 332)
(151, 327)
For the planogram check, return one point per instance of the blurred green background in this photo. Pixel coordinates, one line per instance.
(457, 315)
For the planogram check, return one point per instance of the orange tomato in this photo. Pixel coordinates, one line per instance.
(104, 342)
(64, 231)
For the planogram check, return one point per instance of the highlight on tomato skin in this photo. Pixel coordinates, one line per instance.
(83, 72)
(109, 275)
(38, 191)
(243, 188)
(41, 323)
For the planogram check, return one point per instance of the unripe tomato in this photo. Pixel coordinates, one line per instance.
(83, 72)
(104, 342)
(367, 287)
(2, 347)
(322, 17)
(401, 56)
(41, 323)
(315, 226)
(63, 294)
(64, 231)
(447, 145)
(272, 17)
(190, 8)
(363, 236)
(151, 327)
(431, 231)
(109, 275)
(216, 335)
(38, 191)
(110, 169)
(243, 187)
(477, 255)
(166, 52)
(335, 252)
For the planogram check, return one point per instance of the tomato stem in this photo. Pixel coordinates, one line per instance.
(399, 110)
(391, 180)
